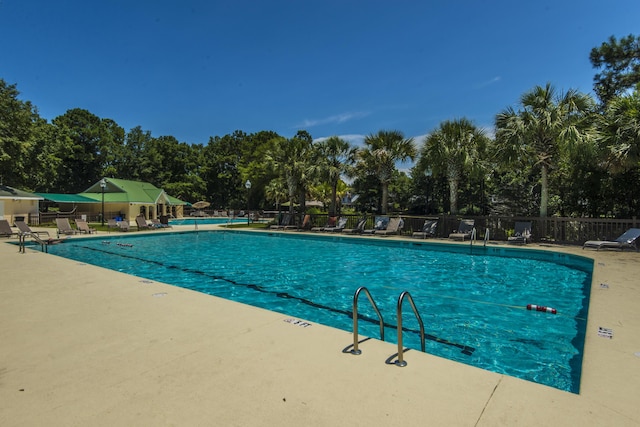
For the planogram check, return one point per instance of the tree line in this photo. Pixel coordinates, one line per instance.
(557, 153)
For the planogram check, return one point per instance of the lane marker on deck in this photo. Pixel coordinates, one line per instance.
(605, 332)
(298, 322)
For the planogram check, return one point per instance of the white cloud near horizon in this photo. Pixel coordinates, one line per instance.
(338, 118)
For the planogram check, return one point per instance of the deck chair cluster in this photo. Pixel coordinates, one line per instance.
(385, 226)
(334, 225)
(117, 225)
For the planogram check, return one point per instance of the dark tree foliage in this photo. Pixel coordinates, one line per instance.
(620, 64)
(369, 189)
(21, 130)
(223, 160)
(87, 145)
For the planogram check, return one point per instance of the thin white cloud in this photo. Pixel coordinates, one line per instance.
(338, 118)
(489, 82)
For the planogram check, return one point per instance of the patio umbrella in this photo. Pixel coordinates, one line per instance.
(201, 204)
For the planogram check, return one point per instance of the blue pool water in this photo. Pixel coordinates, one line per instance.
(472, 301)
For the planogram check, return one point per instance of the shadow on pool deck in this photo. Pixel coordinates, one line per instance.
(80, 345)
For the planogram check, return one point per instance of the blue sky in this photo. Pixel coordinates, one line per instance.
(196, 69)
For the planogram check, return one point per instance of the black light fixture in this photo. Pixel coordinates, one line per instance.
(247, 185)
(103, 185)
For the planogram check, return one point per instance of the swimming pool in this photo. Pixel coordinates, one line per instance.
(473, 301)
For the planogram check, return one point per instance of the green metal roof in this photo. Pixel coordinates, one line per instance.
(125, 191)
(176, 201)
(7, 192)
(65, 198)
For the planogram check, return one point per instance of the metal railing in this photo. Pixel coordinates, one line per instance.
(400, 362)
(361, 289)
(565, 230)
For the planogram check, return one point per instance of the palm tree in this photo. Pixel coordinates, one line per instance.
(453, 149)
(292, 160)
(335, 158)
(546, 126)
(276, 191)
(619, 131)
(380, 155)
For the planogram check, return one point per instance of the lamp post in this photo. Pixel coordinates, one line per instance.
(247, 185)
(103, 184)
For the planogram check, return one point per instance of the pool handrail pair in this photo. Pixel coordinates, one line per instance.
(474, 236)
(405, 294)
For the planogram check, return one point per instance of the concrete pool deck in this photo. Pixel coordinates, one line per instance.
(85, 346)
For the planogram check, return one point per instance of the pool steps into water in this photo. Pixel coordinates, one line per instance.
(400, 361)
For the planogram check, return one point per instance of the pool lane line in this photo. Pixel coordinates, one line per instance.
(465, 349)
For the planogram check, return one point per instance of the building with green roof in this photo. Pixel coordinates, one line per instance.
(16, 203)
(122, 198)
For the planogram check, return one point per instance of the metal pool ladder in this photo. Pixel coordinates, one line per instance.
(400, 362)
(361, 289)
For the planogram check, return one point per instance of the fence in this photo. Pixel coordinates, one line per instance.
(554, 229)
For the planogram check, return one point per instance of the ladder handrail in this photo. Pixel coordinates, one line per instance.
(361, 289)
(486, 236)
(400, 362)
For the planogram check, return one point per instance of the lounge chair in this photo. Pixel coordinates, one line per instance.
(25, 229)
(164, 221)
(285, 220)
(141, 222)
(359, 227)
(83, 227)
(628, 239)
(338, 227)
(306, 224)
(464, 231)
(521, 233)
(331, 222)
(6, 230)
(428, 229)
(64, 227)
(123, 225)
(112, 223)
(380, 223)
(393, 227)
